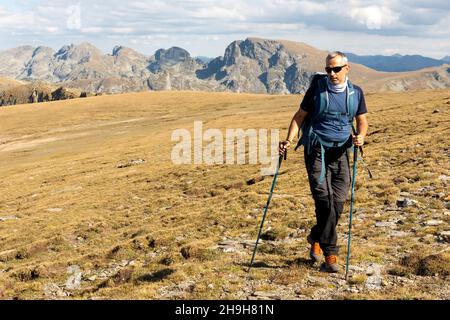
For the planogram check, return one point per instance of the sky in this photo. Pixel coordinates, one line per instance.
(207, 27)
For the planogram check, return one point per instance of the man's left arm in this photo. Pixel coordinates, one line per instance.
(361, 130)
(362, 124)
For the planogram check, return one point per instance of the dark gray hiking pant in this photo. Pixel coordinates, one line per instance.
(330, 195)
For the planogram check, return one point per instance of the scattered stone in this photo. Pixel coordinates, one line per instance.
(427, 238)
(355, 268)
(405, 194)
(433, 222)
(385, 224)
(8, 218)
(436, 111)
(352, 289)
(177, 290)
(391, 208)
(54, 209)
(8, 255)
(266, 295)
(373, 282)
(187, 286)
(406, 202)
(398, 180)
(424, 190)
(396, 233)
(131, 163)
(444, 178)
(444, 236)
(92, 278)
(74, 280)
(53, 290)
(229, 245)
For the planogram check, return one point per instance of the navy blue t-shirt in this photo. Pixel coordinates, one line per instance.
(330, 129)
(307, 103)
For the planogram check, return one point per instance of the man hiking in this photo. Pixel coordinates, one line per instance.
(325, 117)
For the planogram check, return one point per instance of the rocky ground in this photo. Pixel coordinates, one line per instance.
(93, 208)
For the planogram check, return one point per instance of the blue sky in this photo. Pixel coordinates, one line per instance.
(206, 27)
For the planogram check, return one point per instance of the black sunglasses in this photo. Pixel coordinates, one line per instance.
(335, 69)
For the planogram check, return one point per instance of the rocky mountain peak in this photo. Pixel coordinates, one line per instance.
(42, 51)
(116, 50)
(172, 56)
(79, 53)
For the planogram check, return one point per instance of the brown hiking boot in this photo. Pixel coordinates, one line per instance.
(316, 252)
(331, 264)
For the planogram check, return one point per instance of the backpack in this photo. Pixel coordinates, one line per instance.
(309, 138)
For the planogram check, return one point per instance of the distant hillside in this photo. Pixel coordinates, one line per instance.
(395, 63)
(252, 65)
(14, 92)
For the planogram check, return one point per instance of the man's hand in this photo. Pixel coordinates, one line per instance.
(358, 140)
(283, 146)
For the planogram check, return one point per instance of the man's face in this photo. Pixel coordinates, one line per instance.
(340, 76)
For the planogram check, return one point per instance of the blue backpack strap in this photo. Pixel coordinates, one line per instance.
(351, 105)
(308, 138)
(323, 100)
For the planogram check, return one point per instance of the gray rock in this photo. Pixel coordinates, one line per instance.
(433, 222)
(52, 290)
(444, 178)
(266, 295)
(396, 233)
(130, 163)
(74, 280)
(385, 224)
(406, 202)
(187, 286)
(444, 236)
(373, 282)
(4, 218)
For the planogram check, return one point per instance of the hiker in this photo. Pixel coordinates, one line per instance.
(325, 117)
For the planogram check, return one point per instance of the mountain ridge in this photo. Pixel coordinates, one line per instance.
(396, 62)
(253, 65)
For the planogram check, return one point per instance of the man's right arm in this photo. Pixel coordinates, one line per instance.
(306, 106)
(294, 128)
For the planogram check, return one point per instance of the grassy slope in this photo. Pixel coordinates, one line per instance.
(74, 206)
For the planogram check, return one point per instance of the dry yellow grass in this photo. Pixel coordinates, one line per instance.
(153, 230)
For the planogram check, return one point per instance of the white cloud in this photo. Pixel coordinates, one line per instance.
(374, 17)
(102, 22)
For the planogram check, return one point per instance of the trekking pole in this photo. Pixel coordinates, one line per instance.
(355, 159)
(267, 206)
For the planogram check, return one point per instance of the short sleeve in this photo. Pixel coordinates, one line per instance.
(307, 103)
(362, 108)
